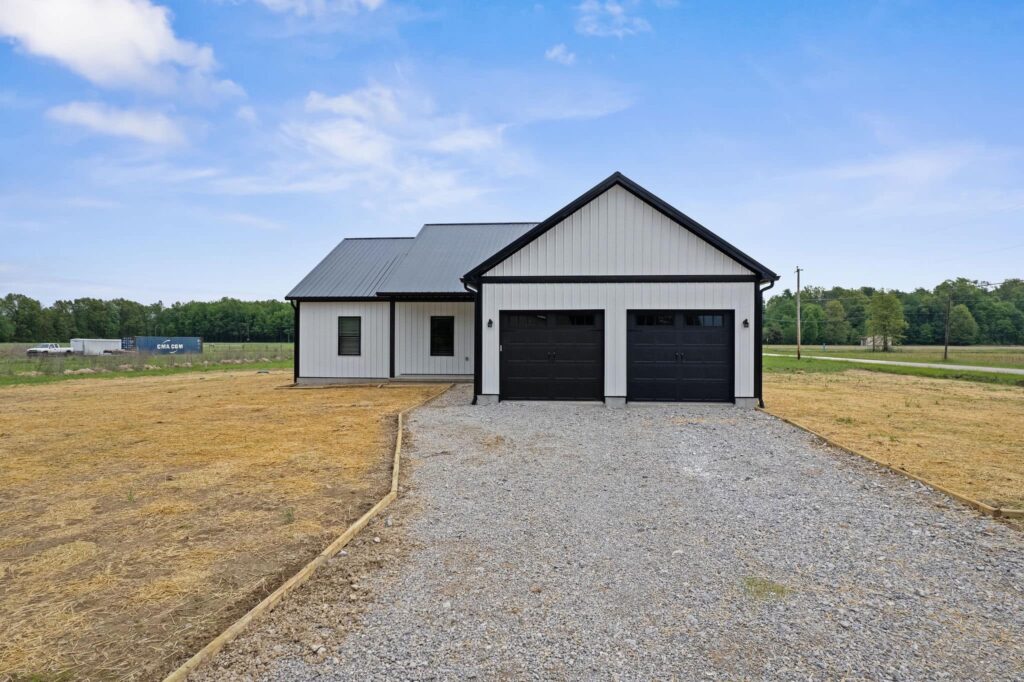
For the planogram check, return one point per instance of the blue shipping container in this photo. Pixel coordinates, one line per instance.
(166, 345)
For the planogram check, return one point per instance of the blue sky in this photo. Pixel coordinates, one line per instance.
(190, 150)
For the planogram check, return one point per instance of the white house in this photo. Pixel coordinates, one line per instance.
(616, 297)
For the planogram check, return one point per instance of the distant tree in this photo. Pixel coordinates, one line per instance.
(6, 328)
(25, 315)
(837, 329)
(963, 330)
(813, 323)
(885, 319)
(856, 305)
(773, 334)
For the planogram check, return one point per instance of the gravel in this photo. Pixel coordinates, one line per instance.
(568, 540)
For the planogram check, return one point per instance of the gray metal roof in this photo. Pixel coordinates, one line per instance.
(355, 268)
(441, 254)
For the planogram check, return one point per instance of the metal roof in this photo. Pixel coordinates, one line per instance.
(442, 253)
(354, 269)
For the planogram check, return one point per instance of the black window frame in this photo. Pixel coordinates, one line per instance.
(440, 352)
(358, 335)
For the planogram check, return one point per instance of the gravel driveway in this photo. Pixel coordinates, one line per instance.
(573, 541)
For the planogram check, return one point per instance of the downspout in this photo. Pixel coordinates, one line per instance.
(295, 350)
(759, 342)
(477, 335)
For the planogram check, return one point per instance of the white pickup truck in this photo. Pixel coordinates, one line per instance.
(48, 349)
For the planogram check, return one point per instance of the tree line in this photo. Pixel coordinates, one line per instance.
(25, 319)
(978, 313)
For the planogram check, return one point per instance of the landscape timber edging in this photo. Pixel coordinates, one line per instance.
(995, 512)
(271, 600)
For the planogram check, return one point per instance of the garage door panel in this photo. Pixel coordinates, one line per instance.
(679, 355)
(552, 355)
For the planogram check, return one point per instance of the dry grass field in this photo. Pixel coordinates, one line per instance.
(966, 436)
(139, 517)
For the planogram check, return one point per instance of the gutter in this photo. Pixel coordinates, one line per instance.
(759, 341)
(478, 342)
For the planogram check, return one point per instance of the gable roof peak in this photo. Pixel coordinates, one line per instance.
(617, 178)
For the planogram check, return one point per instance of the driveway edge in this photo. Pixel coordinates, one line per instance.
(271, 600)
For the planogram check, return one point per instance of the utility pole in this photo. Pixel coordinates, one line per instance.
(945, 351)
(798, 312)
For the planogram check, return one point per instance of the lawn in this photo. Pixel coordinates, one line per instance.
(140, 517)
(17, 368)
(784, 365)
(965, 436)
(982, 356)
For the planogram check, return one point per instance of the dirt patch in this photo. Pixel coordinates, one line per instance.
(965, 436)
(139, 517)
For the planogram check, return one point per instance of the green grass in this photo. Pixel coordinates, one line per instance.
(980, 356)
(791, 364)
(16, 368)
(762, 588)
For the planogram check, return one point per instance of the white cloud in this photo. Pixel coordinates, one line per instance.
(561, 54)
(246, 113)
(467, 140)
(317, 8)
(609, 18)
(345, 140)
(113, 43)
(373, 102)
(917, 167)
(148, 126)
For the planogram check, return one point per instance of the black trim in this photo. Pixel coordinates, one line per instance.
(332, 299)
(478, 341)
(660, 205)
(295, 347)
(413, 296)
(613, 279)
(391, 338)
(759, 343)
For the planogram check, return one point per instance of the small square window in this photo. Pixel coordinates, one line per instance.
(581, 320)
(442, 336)
(652, 320)
(350, 335)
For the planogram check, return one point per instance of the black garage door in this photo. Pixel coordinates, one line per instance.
(552, 355)
(676, 355)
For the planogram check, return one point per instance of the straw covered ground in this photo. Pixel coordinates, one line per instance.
(140, 517)
(966, 436)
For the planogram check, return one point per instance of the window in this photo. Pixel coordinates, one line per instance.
(653, 320)
(349, 335)
(581, 320)
(524, 321)
(442, 336)
(696, 320)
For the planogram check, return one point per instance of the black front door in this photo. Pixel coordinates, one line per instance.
(679, 355)
(552, 355)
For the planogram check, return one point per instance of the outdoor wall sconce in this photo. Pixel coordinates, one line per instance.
(746, 323)
(490, 323)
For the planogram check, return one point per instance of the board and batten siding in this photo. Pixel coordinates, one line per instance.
(615, 299)
(412, 338)
(318, 344)
(617, 234)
